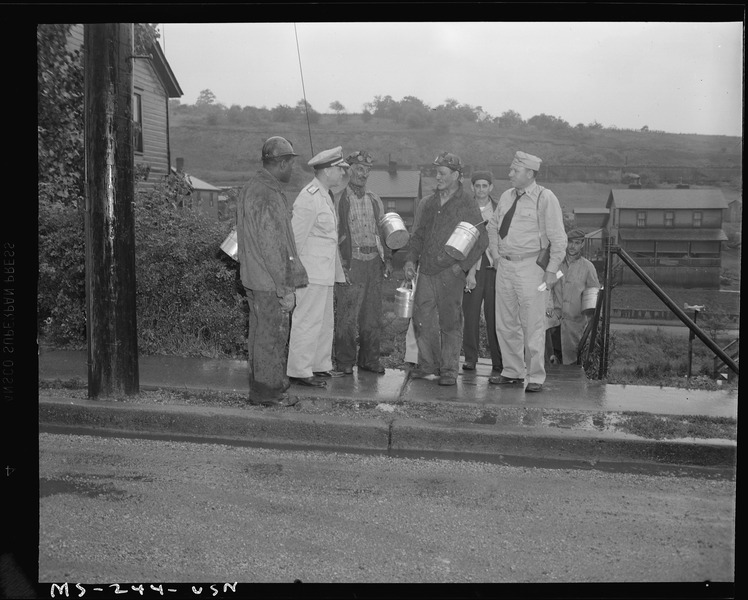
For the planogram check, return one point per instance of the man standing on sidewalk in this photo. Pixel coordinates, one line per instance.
(315, 228)
(579, 274)
(437, 306)
(367, 261)
(270, 271)
(527, 218)
(480, 287)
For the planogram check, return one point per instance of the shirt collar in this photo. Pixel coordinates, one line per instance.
(531, 190)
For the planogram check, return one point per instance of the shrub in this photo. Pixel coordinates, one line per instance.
(61, 291)
(189, 298)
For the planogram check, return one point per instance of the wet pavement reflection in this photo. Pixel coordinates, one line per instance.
(566, 386)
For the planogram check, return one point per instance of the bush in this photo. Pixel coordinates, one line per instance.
(61, 291)
(189, 298)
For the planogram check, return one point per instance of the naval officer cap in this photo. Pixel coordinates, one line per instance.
(329, 158)
(528, 161)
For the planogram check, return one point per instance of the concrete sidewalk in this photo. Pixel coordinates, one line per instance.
(573, 418)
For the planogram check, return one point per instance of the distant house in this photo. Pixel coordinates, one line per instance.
(153, 84)
(203, 196)
(399, 190)
(675, 235)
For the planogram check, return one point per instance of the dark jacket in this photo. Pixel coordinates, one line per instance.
(435, 225)
(268, 259)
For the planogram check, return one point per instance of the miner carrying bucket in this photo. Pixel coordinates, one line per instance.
(579, 278)
(437, 310)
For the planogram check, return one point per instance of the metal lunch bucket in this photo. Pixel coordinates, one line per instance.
(404, 297)
(589, 299)
(404, 300)
(462, 240)
(230, 245)
(395, 233)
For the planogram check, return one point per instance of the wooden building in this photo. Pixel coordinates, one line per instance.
(398, 189)
(154, 84)
(675, 235)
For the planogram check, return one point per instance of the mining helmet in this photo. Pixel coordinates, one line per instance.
(276, 147)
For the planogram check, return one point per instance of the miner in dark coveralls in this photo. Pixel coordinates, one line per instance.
(368, 261)
(270, 271)
(437, 305)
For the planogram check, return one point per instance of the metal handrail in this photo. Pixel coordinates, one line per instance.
(649, 282)
(718, 362)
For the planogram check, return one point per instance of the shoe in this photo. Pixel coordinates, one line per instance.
(379, 369)
(447, 380)
(280, 400)
(416, 373)
(347, 370)
(554, 360)
(308, 381)
(534, 387)
(501, 380)
(468, 366)
(328, 374)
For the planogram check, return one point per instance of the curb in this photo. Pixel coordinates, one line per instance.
(385, 434)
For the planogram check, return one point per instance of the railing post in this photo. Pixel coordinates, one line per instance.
(607, 289)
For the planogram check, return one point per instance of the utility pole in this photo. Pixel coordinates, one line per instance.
(109, 218)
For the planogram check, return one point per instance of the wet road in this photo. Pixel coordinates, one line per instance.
(115, 509)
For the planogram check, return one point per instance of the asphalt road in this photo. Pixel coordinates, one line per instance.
(115, 509)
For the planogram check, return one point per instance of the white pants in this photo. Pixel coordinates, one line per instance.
(520, 319)
(411, 347)
(312, 322)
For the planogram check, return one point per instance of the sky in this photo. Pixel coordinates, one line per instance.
(679, 77)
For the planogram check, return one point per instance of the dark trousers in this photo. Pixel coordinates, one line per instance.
(553, 343)
(267, 345)
(358, 315)
(484, 294)
(437, 321)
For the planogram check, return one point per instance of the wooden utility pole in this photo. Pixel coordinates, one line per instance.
(109, 219)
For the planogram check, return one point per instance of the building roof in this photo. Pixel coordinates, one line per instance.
(162, 68)
(591, 211)
(659, 234)
(197, 184)
(693, 199)
(400, 184)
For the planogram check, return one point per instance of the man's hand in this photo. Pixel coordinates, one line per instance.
(410, 270)
(470, 281)
(347, 273)
(387, 269)
(550, 279)
(287, 302)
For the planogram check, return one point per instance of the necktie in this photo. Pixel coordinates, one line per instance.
(507, 220)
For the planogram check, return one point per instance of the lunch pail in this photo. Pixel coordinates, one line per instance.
(404, 300)
(230, 246)
(395, 233)
(589, 299)
(462, 240)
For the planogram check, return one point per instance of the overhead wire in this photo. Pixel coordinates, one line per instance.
(303, 89)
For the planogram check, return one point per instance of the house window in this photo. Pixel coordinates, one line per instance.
(669, 219)
(137, 123)
(697, 218)
(641, 219)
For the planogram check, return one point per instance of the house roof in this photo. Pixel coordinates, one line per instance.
(195, 183)
(400, 184)
(591, 211)
(659, 234)
(693, 199)
(162, 68)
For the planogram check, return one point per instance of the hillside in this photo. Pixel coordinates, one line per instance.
(226, 154)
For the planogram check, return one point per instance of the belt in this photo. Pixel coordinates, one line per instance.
(366, 249)
(513, 257)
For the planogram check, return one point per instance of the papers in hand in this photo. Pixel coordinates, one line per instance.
(542, 287)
